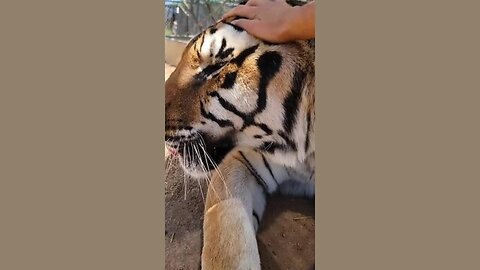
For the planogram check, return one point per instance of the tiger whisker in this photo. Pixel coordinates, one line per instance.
(215, 166)
(208, 174)
(184, 174)
(190, 158)
(203, 169)
(203, 166)
(169, 163)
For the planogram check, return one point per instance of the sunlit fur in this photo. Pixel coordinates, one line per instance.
(240, 113)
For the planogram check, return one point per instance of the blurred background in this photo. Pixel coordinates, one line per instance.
(186, 18)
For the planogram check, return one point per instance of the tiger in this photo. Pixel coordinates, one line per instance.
(240, 112)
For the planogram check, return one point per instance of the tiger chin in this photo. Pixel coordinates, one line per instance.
(241, 112)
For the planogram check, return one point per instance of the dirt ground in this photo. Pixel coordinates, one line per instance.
(286, 238)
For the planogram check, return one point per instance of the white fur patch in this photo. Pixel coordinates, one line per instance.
(221, 113)
(237, 40)
(243, 99)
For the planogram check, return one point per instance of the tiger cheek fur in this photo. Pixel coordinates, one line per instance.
(240, 113)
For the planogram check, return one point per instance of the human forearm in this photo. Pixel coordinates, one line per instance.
(301, 24)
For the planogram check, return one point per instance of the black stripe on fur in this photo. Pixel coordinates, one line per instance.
(265, 162)
(248, 119)
(243, 55)
(289, 141)
(227, 105)
(255, 215)
(270, 147)
(268, 64)
(229, 80)
(260, 180)
(292, 101)
(220, 122)
(307, 139)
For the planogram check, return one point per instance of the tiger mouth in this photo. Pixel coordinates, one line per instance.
(201, 154)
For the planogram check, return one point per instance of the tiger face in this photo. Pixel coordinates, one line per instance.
(229, 90)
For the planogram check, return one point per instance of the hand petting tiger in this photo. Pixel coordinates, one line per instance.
(240, 112)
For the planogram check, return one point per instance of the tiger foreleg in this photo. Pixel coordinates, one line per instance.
(233, 207)
(229, 238)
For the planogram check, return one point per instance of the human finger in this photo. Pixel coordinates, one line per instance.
(258, 29)
(251, 26)
(242, 11)
(256, 2)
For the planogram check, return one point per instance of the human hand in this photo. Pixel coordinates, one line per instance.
(275, 20)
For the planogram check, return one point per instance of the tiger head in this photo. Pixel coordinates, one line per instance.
(232, 90)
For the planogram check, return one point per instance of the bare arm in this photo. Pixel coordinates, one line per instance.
(275, 20)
